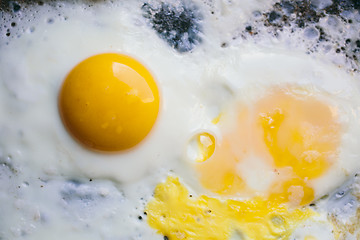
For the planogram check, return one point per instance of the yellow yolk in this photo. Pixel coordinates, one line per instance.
(178, 216)
(310, 238)
(221, 176)
(302, 134)
(297, 136)
(294, 191)
(206, 146)
(109, 102)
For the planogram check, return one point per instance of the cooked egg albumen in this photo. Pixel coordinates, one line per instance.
(263, 129)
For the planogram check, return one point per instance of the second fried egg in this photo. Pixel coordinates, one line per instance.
(288, 127)
(280, 134)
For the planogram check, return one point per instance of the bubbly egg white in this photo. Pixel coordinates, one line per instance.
(51, 187)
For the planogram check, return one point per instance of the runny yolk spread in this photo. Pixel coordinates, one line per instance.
(177, 215)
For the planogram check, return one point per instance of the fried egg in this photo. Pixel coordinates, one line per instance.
(165, 120)
(277, 144)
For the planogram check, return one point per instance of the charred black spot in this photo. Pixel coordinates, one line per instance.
(179, 26)
(342, 5)
(357, 43)
(287, 7)
(16, 7)
(274, 16)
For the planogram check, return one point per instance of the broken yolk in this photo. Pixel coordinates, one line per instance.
(302, 134)
(177, 215)
(288, 132)
(206, 146)
(294, 191)
(109, 102)
(221, 176)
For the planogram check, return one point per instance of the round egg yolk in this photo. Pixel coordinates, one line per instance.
(109, 102)
(294, 137)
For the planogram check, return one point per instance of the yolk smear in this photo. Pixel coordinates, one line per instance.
(176, 215)
(297, 136)
(300, 133)
(206, 146)
(221, 176)
(219, 173)
(216, 119)
(294, 191)
(109, 102)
